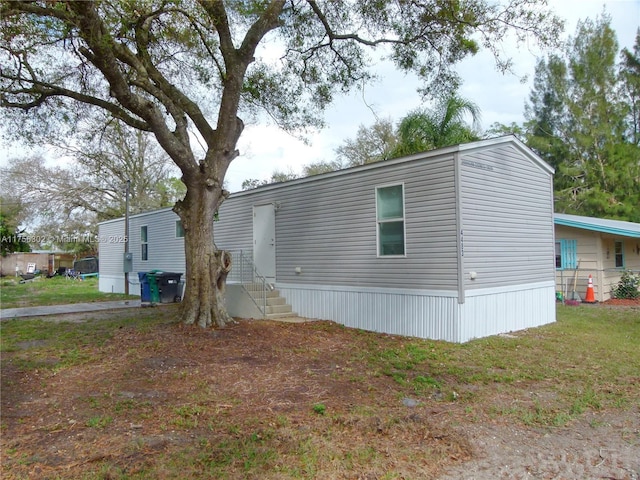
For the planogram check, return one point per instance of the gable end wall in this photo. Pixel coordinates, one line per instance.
(507, 219)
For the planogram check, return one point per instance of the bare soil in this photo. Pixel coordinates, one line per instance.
(259, 372)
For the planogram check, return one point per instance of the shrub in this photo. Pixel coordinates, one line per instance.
(627, 286)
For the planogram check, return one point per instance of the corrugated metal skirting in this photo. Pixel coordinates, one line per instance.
(424, 316)
(494, 311)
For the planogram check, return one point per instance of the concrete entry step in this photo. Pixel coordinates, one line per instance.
(272, 301)
(282, 316)
(281, 309)
(276, 305)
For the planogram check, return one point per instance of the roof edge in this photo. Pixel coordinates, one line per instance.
(587, 225)
(439, 152)
(136, 215)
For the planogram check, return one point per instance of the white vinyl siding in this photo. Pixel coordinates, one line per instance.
(165, 251)
(507, 218)
(390, 220)
(111, 248)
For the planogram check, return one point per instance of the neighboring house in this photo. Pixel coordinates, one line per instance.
(594, 246)
(452, 244)
(44, 261)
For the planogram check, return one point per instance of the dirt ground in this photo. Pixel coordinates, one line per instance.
(269, 370)
(598, 446)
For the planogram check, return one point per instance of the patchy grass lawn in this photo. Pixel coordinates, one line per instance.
(52, 291)
(138, 396)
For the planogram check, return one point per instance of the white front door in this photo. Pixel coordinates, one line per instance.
(264, 241)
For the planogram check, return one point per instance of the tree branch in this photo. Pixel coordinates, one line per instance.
(44, 90)
(103, 56)
(173, 96)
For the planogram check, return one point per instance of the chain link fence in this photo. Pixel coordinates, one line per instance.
(607, 284)
(627, 286)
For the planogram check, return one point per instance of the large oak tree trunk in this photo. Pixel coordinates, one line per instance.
(206, 267)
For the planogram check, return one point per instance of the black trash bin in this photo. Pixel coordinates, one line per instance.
(169, 286)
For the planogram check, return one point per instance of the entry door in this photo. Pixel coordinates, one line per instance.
(264, 240)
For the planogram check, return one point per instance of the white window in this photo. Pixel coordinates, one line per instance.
(144, 243)
(390, 219)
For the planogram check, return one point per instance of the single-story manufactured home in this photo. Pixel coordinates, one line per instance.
(453, 244)
(598, 247)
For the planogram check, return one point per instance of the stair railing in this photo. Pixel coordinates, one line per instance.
(244, 272)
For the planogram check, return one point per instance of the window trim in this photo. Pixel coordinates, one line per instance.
(615, 254)
(179, 229)
(403, 219)
(144, 245)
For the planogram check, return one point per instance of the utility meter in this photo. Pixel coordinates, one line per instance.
(127, 264)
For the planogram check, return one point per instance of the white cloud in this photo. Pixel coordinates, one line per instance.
(501, 97)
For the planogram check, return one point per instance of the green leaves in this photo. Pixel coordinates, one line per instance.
(580, 122)
(442, 126)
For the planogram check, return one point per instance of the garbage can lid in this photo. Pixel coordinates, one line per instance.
(168, 274)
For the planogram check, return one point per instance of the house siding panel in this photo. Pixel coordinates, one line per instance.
(111, 247)
(587, 246)
(507, 218)
(166, 251)
(328, 228)
(612, 275)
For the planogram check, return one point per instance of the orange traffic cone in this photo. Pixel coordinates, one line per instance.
(590, 297)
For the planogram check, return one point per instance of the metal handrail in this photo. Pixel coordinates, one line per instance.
(246, 274)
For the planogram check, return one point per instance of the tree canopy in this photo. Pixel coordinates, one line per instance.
(441, 126)
(187, 70)
(371, 144)
(582, 119)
